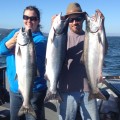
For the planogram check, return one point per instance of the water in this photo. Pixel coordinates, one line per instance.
(2, 61)
(4, 32)
(112, 59)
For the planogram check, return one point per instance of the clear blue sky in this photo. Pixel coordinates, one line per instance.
(11, 12)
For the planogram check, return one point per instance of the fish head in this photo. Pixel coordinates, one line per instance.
(24, 36)
(93, 23)
(60, 25)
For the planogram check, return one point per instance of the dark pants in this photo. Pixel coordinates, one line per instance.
(37, 102)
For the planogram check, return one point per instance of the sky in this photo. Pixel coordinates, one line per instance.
(11, 12)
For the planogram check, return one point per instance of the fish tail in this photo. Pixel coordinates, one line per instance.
(27, 110)
(97, 95)
(51, 96)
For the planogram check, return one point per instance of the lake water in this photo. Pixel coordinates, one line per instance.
(112, 59)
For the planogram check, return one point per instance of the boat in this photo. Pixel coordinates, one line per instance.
(51, 107)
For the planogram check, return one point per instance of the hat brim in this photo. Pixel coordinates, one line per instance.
(75, 13)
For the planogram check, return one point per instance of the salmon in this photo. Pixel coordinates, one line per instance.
(25, 69)
(94, 52)
(55, 55)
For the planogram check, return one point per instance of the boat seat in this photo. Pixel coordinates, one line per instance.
(106, 94)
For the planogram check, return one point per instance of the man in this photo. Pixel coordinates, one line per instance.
(72, 83)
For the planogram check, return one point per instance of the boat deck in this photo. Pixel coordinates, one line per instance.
(50, 107)
(50, 111)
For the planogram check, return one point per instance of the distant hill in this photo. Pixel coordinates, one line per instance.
(4, 32)
(45, 34)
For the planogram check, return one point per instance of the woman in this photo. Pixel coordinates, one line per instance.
(31, 20)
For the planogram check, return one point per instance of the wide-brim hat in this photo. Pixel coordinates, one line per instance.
(74, 8)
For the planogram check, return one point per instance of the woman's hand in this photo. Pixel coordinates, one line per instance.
(14, 38)
(11, 43)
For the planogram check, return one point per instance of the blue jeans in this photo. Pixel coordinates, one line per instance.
(76, 100)
(37, 103)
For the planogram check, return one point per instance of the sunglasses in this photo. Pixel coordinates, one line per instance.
(77, 19)
(32, 18)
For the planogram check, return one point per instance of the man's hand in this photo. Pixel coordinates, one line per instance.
(100, 14)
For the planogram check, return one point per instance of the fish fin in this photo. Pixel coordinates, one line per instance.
(51, 96)
(99, 38)
(37, 73)
(45, 61)
(16, 77)
(46, 77)
(98, 95)
(27, 110)
(82, 58)
(18, 51)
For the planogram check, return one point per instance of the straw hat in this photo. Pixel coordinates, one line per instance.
(74, 8)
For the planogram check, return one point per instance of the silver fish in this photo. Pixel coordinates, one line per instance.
(25, 69)
(55, 55)
(94, 52)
